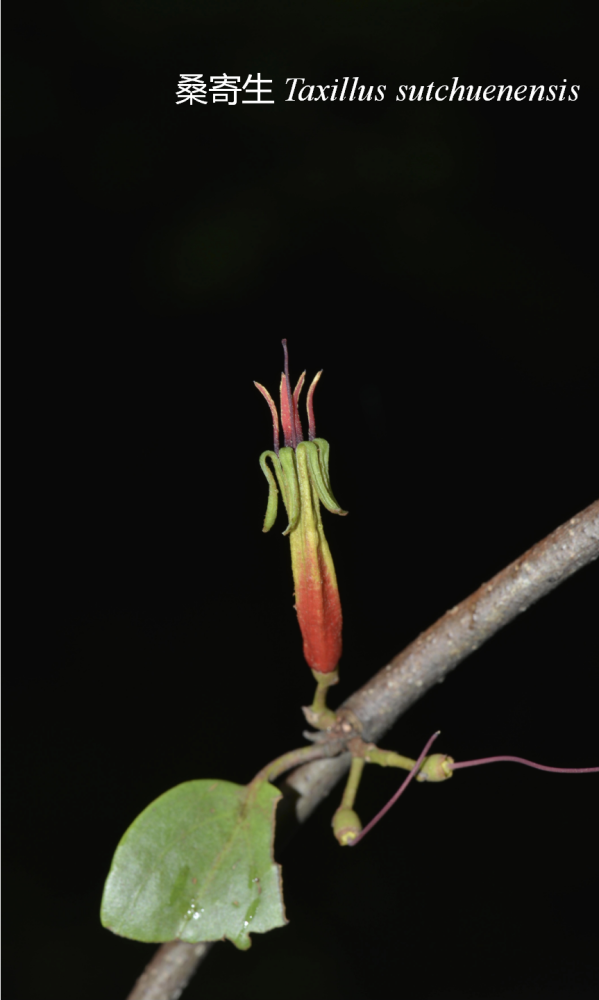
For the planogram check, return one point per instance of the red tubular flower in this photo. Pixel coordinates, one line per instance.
(301, 469)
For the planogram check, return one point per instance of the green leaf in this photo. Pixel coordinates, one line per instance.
(197, 865)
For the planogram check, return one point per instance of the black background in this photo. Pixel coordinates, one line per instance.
(433, 259)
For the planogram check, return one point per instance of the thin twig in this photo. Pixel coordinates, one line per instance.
(403, 681)
(521, 760)
(170, 970)
(383, 812)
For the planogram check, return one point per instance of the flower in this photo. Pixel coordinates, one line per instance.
(301, 469)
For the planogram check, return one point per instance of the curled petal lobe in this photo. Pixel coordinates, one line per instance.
(319, 474)
(292, 492)
(273, 493)
(274, 414)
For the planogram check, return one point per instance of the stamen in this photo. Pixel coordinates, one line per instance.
(310, 407)
(289, 397)
(275, 415)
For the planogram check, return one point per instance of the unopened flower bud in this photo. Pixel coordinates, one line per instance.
(346, 825)
(437, 767)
